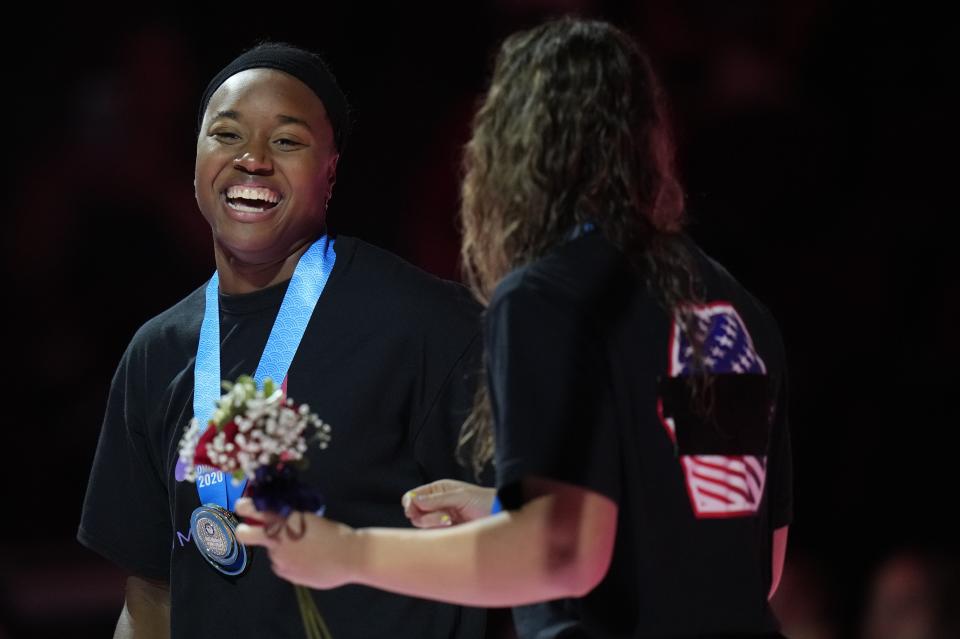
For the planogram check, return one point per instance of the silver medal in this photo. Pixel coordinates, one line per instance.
(214, 531)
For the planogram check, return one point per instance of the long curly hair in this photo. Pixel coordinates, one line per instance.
(572, 130)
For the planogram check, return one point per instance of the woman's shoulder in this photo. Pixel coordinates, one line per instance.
(573, 275)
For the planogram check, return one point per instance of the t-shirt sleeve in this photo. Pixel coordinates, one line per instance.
(126, 514)
(551, 398)
(780, 458)
(436, 445)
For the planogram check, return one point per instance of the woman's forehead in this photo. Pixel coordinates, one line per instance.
(266, 90)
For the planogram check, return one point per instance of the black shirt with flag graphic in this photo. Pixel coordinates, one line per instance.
(580, 356)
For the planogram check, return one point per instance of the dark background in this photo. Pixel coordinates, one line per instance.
(813, 143)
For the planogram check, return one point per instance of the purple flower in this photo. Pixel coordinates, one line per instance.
(279, 490)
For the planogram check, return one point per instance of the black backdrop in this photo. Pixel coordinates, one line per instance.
(813, 146)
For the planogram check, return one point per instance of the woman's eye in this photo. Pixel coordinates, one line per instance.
(286, 143)
(225, 136)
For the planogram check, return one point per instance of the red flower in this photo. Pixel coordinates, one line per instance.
(200, 455)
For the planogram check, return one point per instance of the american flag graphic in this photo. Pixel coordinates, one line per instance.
(719, 486)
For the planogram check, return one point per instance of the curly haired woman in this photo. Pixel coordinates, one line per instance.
(635, 397)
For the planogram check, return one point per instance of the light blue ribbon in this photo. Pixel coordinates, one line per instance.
(307, 284)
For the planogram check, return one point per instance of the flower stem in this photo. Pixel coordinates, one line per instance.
(313, 622)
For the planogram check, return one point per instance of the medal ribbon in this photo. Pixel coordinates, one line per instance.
(307, 284)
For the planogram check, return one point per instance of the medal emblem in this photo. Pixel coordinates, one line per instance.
(214, 532)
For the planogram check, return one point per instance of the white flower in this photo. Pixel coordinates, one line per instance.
(269, 428)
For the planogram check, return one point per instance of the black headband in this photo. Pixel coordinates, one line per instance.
(305, 66)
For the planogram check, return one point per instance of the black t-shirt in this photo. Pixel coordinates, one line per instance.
(577, 348)
(388, 360)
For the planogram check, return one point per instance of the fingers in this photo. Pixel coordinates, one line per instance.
(460, 500)
(438, 486)
(417, 504)
(451, 499)
(249, 514)
(437, 519)
(273, 529)
(434, 486)
(245, 508)
(269, 523)
(407, 501)
(412, 499)
(255, 536)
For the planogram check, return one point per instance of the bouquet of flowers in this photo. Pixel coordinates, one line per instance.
(262, 436)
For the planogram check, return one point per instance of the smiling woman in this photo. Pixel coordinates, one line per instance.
(266, 165)
(379, 349)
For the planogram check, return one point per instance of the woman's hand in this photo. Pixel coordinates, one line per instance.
(306, 549)
(446, 502)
